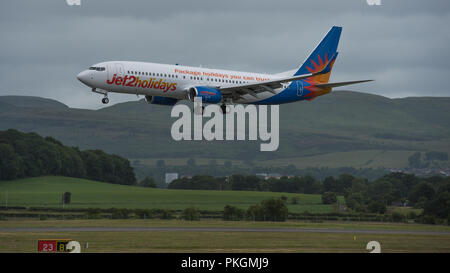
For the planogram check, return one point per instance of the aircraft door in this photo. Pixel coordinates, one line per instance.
(110, 71)
(119, 69)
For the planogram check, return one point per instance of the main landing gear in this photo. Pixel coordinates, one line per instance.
(223, 107)
(199, 111)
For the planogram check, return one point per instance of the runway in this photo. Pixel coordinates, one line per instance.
(199, 229)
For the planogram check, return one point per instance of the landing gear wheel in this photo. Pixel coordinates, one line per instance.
(224, 108)
(105, 100)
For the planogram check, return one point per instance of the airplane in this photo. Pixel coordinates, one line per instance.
(166, 84)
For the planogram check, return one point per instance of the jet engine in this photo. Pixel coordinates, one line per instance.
(207, 94)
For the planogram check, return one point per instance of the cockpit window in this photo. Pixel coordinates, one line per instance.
(97, 68)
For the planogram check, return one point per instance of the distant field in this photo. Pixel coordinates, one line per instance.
(182, 161)
(356, 159)
(47, 191)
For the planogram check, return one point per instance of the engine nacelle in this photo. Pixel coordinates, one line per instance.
(207, 94)
(161, 100)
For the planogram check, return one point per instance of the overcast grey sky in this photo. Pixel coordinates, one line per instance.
(402, 44)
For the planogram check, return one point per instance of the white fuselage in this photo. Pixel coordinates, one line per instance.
(173, 81)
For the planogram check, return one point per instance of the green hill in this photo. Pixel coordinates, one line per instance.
(32, 102)
(343, 128)
(47, 191)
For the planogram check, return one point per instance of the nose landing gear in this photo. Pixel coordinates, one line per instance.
(105, 99)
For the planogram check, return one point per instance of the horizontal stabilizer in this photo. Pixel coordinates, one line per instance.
(337, 84)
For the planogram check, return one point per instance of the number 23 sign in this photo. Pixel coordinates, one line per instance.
(59, 245)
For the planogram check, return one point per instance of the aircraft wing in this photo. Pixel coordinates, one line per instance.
(337, 84)
(255, 88)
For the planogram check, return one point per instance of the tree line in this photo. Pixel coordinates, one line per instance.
(227, 167)
(29, 155)
(432, 194)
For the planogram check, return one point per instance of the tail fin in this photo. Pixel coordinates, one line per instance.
(325, 52)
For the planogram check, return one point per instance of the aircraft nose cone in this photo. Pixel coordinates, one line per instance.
(83, 77)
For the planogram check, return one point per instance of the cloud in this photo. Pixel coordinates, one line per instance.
(402, 44)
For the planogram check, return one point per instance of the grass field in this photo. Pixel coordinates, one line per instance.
(194, 241)
(219, 224)
(47, 191)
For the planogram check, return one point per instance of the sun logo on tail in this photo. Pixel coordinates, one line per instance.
(317, 66)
